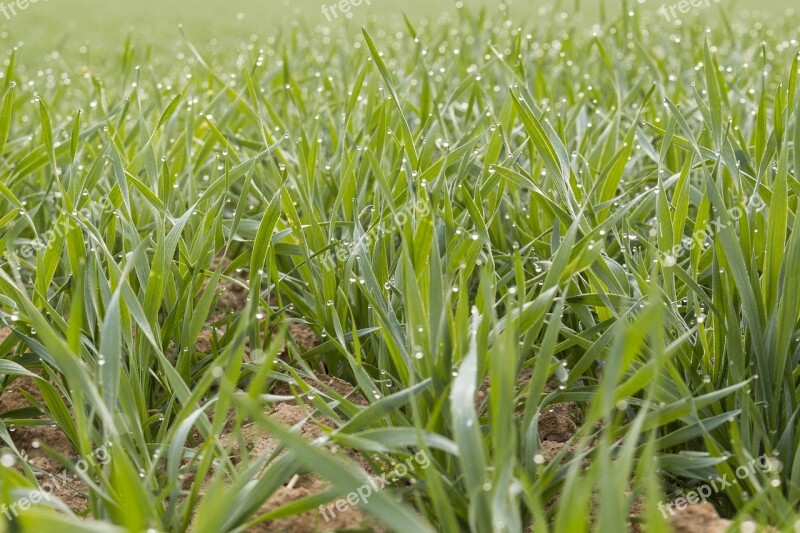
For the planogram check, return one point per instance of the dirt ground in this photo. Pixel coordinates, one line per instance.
(32, 441)
(557, 426)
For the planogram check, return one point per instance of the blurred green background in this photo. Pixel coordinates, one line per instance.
(67, 24)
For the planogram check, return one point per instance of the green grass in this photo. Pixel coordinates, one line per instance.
(450, 207)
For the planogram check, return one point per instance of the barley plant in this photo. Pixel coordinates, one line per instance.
(494, 270)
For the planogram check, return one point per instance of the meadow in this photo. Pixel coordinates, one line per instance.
(463, 268)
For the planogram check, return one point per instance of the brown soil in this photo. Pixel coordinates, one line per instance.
(550, 449)
(291, 415)
(698, 518)
(204, 342)
(524, 378)
(339, 385)
(556, 423)
(482, 394)
(350, 519)
(343, 388)
(635, 511)
(233, 297)
(258, 441)
(31, 442)
(303, 335)
(4, 334)
(11, 398)
(72, 493)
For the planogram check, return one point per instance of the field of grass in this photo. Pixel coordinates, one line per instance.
(492, 270)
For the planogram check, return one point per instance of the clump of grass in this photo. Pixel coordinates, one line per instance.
(485, 225)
